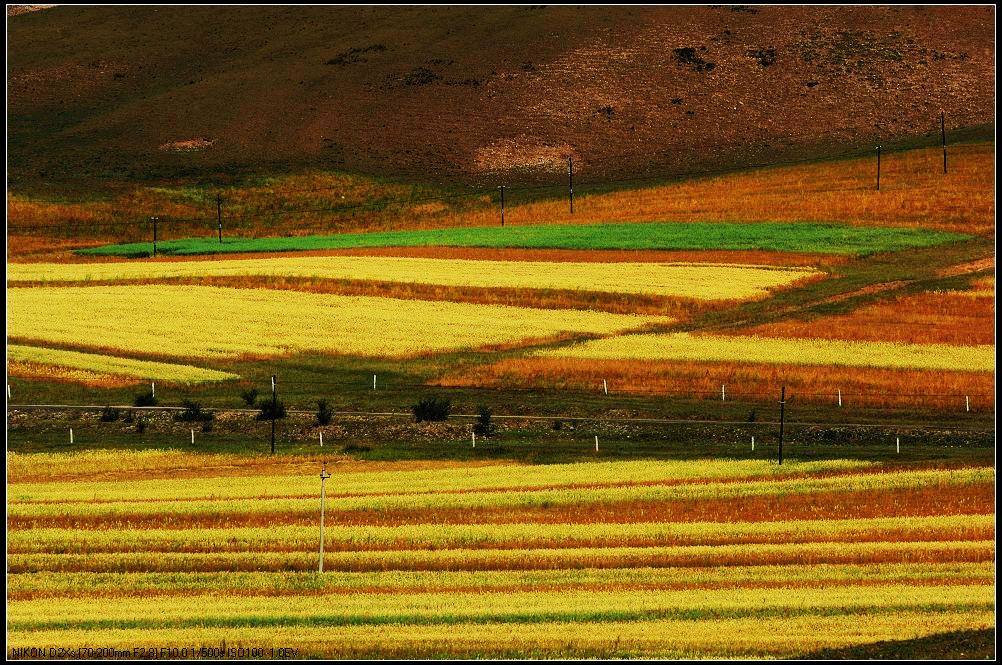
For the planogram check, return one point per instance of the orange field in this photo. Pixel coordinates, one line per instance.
(965, 318)
(860, 386)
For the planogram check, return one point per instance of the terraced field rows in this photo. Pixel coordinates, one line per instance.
(500, 560)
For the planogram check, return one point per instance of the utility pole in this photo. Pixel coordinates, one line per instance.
(154, 220)
(942, 129)
(274, 410)
(878, 168)
(219, 215)
(502, 205)
(323, 477)
(570, 181)
(782, 420)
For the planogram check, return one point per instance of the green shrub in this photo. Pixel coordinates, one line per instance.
(483, 426)
(193, 413)
(271, 411)
(324, 413)
(109, 414)
(249, 396)
(431, 409)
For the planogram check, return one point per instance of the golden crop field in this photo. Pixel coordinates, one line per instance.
(653, 559)
(100, 369)
(210, 322)
(757, 349)
(697, 281)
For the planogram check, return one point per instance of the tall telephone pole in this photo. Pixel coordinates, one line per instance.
(323, 477)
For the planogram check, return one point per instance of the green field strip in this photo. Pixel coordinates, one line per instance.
(564, 605)
(507, 559)
(447, 618)
(305, 583)
(799, 237)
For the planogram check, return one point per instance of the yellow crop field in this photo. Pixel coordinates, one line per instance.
(98, 367)
(748, 349)
(697, 281)
(88, 569)
(211, 322)
(510, 536)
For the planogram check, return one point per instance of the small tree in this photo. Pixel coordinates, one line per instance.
(324, 413)
(145, 399)
(249, 396)
(431, 409)
(484, 427)
(109, 414)
(193, 413)
(269, 410)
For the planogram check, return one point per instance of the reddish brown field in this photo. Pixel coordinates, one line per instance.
(974, 499)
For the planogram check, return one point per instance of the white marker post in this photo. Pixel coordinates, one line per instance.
(323, 477)
(373, 381)
(71, 435)
(753, 444)
(840, 397)
(605, 387)
(967, 400)
(596, 443)
(474, 439)
(193, 436)
(723, 393)
(8, 392)
(153, 389)
(321, 439)
(897, 445)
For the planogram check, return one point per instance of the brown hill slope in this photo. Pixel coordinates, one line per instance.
(461, 93)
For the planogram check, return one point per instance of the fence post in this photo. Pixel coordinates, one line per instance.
(219, 215)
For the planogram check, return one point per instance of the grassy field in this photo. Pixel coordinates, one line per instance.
(604, 559)
(805, 237)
